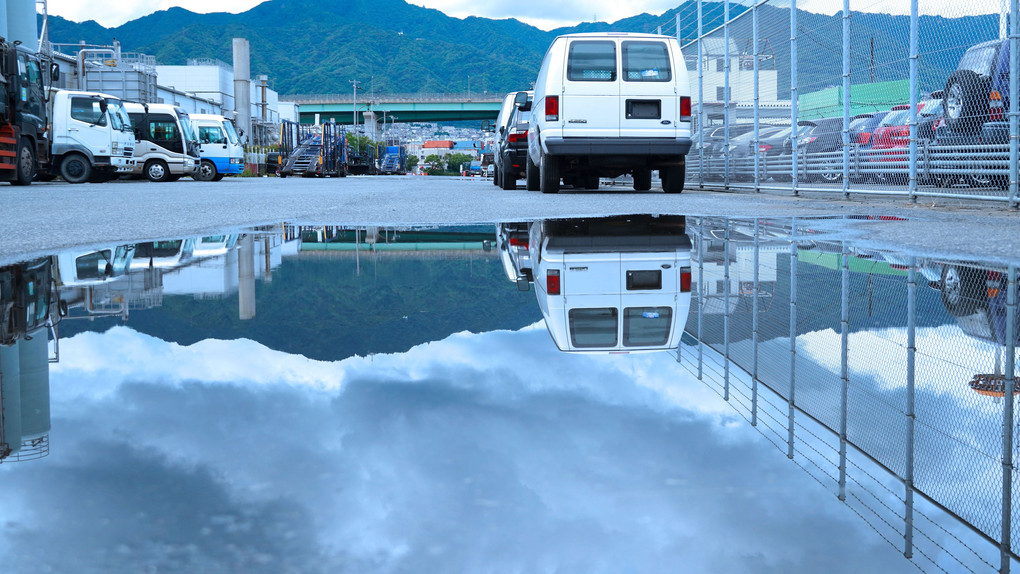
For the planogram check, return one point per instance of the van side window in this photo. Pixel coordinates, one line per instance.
(211, 134)
(87, 110)
(646, 62)
(592, 61)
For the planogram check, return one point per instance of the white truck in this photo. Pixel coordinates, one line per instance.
(612, 285)
(90, 136)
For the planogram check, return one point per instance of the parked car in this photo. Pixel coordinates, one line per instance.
(501, 121)
(512, 143)
(976, 96)
(609, 104)
(743, 150)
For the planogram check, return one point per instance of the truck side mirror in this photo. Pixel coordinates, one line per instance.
(502, 129)
(102, 105)
(54, 72)
(521, 99)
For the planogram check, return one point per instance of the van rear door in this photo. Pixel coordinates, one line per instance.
(649, 104)
(591, 89)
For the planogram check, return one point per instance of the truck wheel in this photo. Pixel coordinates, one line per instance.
(642, 179)
(673, 178)
(206, 171)
(75, 168)
(157, 170)
(508, 176)
(26, 164)
(217, 177)
(549, 173)
(531, 172)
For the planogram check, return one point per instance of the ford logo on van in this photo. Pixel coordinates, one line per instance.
(664, 122)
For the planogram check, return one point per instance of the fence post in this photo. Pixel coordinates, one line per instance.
(701, 293)
(757, 159)
(793, 95)
(793, 340)
(912, 166)
(1014, 105)
(908, 478)
(726, 96)
(754, 332)
(846, 99)
(701, 122)
(726, 311)
(1005, 544)
(844, 316)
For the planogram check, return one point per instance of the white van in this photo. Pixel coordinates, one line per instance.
(165, 144)
(90, 136)
(608, 104)
(219, 145)
(613, 285)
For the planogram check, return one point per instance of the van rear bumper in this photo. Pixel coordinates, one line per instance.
(617, 146)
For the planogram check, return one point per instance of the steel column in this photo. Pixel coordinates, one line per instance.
(912, 167)
(754, 330)
(908, 478)
(846, 99)
(701, 121)
(726, 95)
(701, 294)
(793, 94)
(1005, 544)
(726, 311)
(791, 401)
(1014, 96)
(844, 372)
(757, 159)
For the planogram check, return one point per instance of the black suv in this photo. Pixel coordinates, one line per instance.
(976, 97)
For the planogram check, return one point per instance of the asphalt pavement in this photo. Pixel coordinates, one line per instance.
(44, 218)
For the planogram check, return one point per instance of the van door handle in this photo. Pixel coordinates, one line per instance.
(72, 129)
(224, 146)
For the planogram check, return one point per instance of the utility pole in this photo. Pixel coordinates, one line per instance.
(354, 127)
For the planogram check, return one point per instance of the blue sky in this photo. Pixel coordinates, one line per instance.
(484, 452)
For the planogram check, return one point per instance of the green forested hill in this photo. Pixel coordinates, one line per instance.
(307, 46)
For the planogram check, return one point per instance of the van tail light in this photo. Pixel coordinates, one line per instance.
(514, 242)
(863, 138)
(685, 108)
(552, 282)
(764, 147)
(685, 279)
(552, 108)
(995, 107)
(992, 283)
(517, 137)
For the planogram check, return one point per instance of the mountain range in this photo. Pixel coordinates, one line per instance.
(390, 46)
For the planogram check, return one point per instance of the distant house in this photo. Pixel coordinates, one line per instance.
(442, 148)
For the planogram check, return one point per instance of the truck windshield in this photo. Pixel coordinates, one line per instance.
(593, 327)
(118, 115)
(189, 131)
(231, 132)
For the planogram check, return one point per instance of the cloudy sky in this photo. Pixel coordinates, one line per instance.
(486, 452)
(540, 13)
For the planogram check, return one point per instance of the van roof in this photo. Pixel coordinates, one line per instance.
(615, 35)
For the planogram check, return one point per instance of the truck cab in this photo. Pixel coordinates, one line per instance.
(613, 285)
(219, 146)
(91, 136)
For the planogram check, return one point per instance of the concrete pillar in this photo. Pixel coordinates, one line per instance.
(242, 84)
(21, 23)
(246, 278)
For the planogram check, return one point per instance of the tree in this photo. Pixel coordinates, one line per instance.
(435, 164)
(412, 162)
(455, 160)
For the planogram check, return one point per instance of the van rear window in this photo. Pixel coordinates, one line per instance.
(646, 326)
(593, 327)
(592, 61)
(646, 62)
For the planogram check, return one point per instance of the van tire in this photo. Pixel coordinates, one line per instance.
(507, 176)
(25, 166)
(75, 168)
(642, 179)
(157, 170)
(531, 172)
(206, 171)
(549, 173)
(673, 178)
(591, 181)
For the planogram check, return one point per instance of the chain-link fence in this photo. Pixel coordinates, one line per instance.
(920, 102)
(883, 376)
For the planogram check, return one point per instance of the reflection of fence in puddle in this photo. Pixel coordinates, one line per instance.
(854, 366)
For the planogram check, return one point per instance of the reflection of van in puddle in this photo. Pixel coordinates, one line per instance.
(620, 284)
(162, 254)
(513, 253)
(95, 266)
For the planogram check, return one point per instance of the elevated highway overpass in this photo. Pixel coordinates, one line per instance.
(404, 107)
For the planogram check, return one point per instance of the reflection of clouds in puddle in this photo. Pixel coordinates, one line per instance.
(490, 452)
